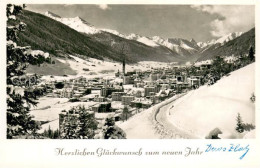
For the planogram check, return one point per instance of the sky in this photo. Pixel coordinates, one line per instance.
(200, 22)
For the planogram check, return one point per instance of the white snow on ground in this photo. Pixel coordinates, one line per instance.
(39, 52)
(209, 107)
(53, 125)
(202, 110)
(117, 105)
(146, 65)
(250, 135)
(206, 62)
(52, 108)
(103, 115)
(91, 68)
(143, 124)
(140, 126)
(46, 101)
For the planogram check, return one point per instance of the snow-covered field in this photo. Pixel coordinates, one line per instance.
(140, 126)
(51, 109)
(202, 110)
(97, 68)
(217, 106)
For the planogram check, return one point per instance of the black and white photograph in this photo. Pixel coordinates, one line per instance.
(109, 83)
(130, 71)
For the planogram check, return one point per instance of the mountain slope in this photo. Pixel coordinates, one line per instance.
(78, 37)
(76, 23)
(54, 37)
(179, 46)
(222, 40)
(49, 35)
(217, 106)
(236, 47)
(139, 51)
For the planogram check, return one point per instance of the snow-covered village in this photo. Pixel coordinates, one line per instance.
(69, 79)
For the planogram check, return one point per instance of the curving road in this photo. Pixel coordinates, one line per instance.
(166, 128)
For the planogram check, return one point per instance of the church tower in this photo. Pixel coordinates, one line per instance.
(123, 65)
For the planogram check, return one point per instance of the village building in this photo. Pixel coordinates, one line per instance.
(99, 99)
(103, 107)
(127, 80)
(105, 91)
(117, 96)
(126, 100)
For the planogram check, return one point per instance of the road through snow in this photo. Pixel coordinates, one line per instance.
(153, 123)
(169, 130)
(199, 111)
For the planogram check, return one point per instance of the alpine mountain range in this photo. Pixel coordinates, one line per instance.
(77, 36)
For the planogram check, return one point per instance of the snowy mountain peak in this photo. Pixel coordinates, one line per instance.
(205, 44)
(50, 14)
(158, 39)
(229, 37)
(180, 46)
(133, 36)
(79, 19)
(75, 23)
(193, 41)
(221, 40)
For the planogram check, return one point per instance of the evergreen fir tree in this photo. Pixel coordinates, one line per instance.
(251, 54)
(87, 124)
(239, 127)
(56, 134)
(19, 98)
(70, 125)
(111, 131)
(78, 124)
(125, 112)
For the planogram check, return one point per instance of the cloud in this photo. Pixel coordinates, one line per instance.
(234, 18)
(103, 6)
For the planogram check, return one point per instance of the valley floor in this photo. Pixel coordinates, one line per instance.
(193, 115)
